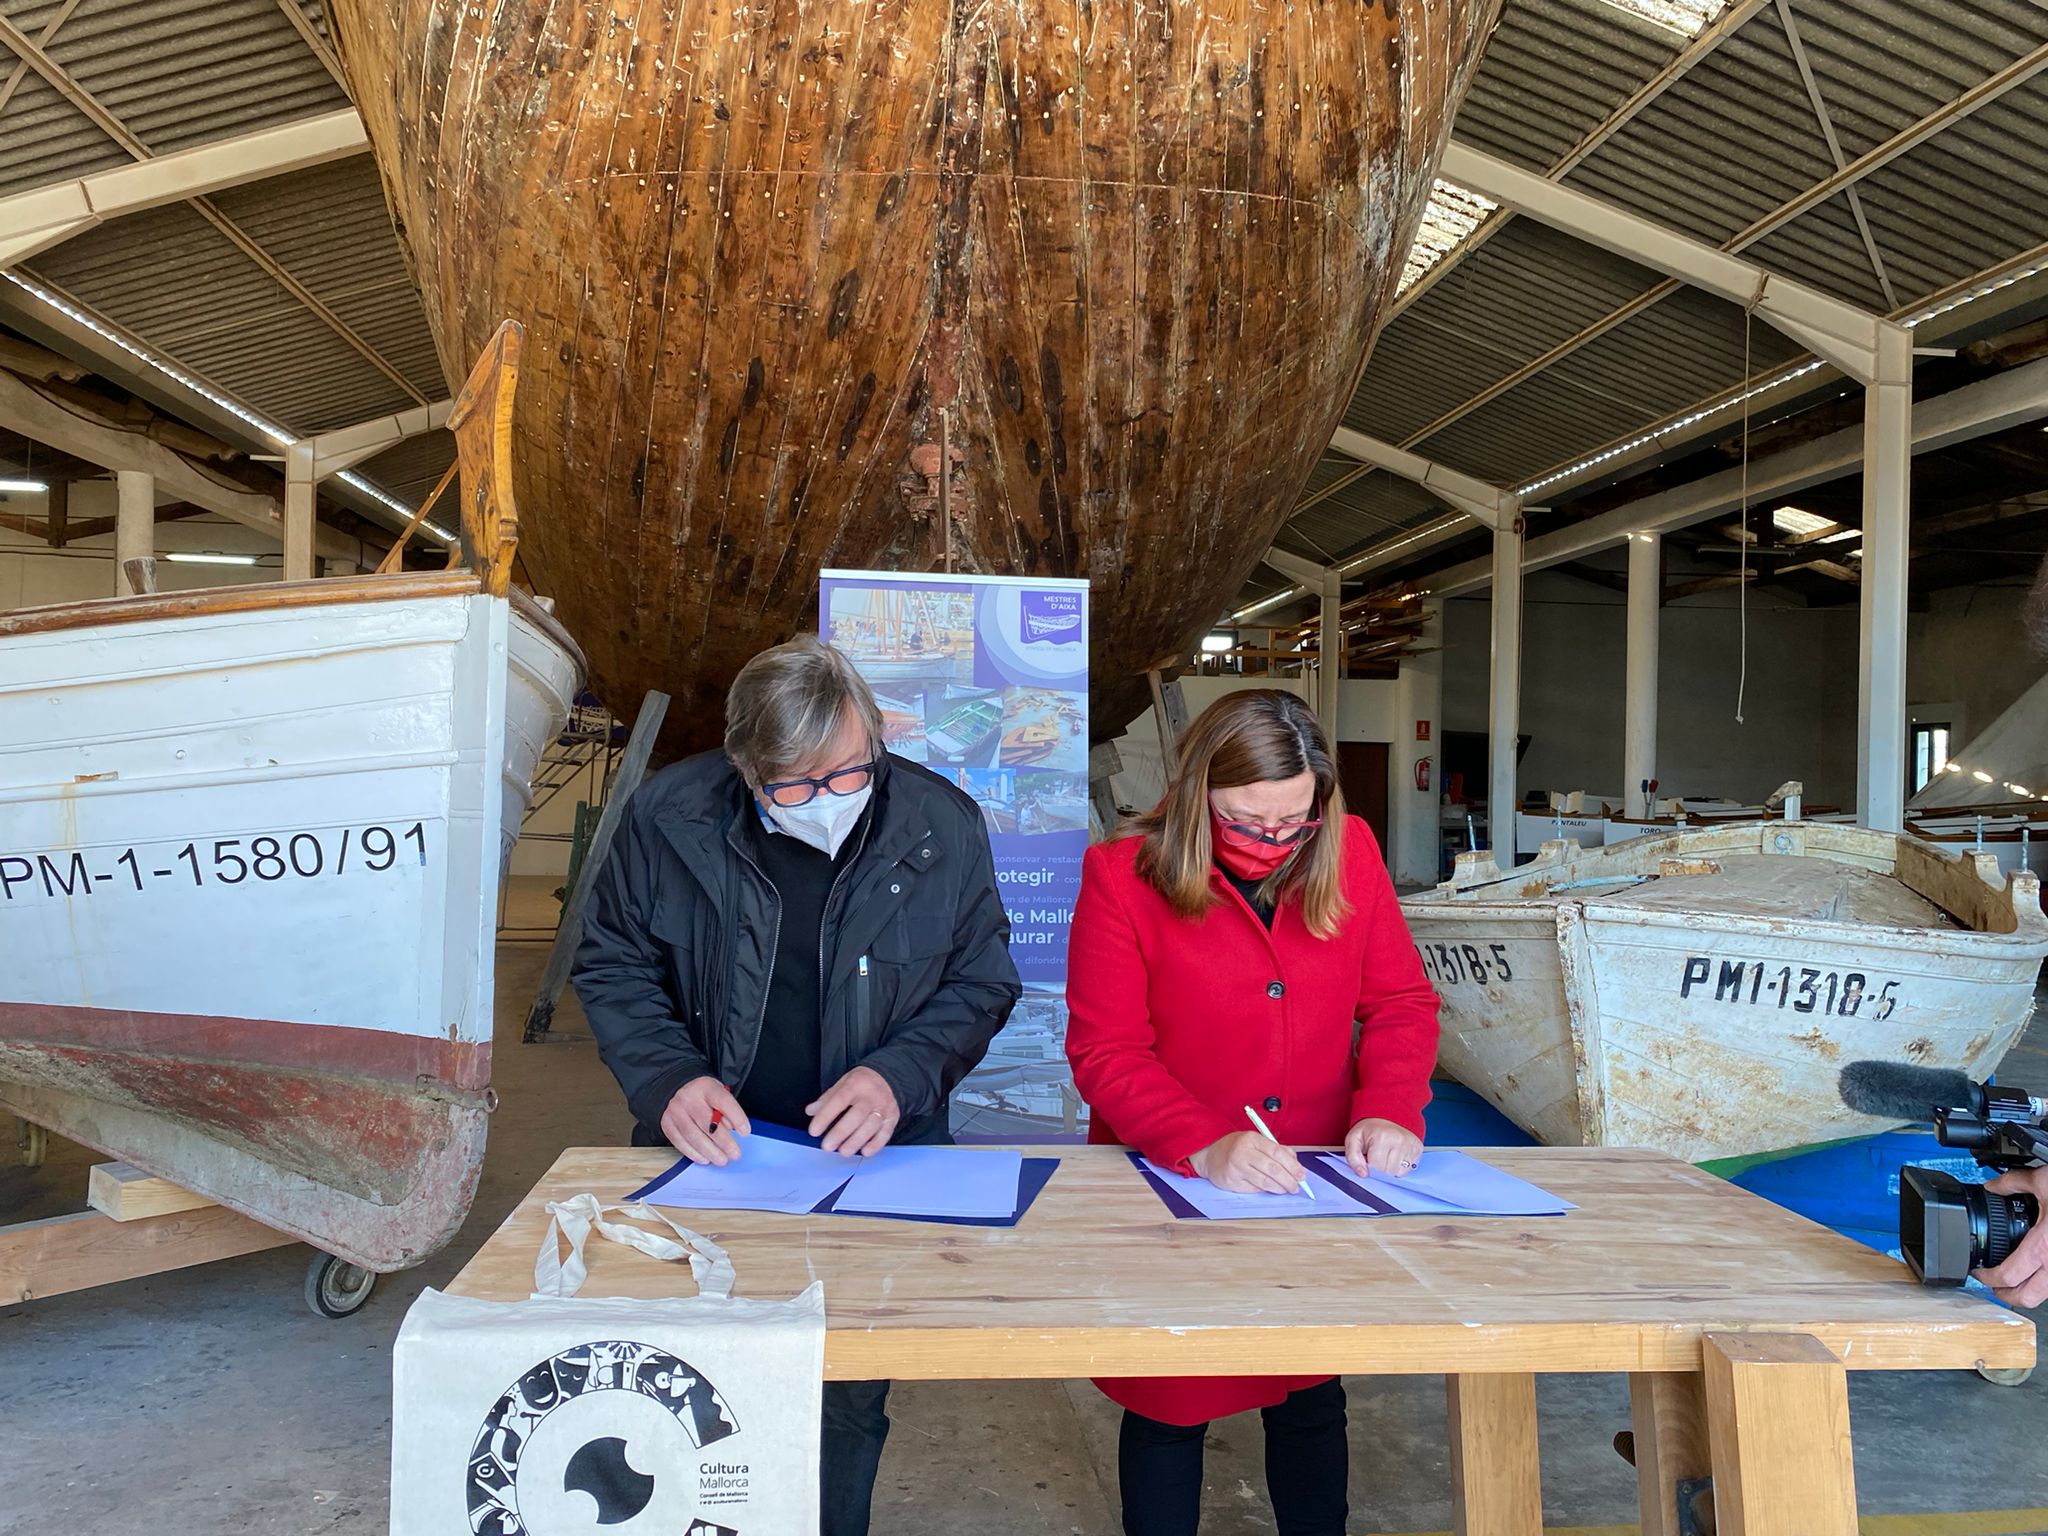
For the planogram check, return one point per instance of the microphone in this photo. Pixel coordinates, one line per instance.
(1897, 1092)
(1894, 1091)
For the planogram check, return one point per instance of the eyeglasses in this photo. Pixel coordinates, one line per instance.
(1286, 835)
(788, 793)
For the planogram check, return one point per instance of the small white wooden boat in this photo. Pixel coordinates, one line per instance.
(250, 849)
(1699, 990)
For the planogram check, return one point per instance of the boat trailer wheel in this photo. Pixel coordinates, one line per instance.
(337, 1288)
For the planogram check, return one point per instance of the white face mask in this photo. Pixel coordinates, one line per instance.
(823, 821)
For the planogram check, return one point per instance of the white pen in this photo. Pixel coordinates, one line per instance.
(1266, 1131)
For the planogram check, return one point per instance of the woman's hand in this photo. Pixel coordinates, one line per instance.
(1248, 1163)
(1382, 1148)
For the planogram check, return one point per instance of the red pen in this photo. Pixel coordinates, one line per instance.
(717, 1119)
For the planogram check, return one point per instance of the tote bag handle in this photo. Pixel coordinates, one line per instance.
(573, 1219)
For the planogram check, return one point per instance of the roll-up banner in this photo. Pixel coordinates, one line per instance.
(984, 680)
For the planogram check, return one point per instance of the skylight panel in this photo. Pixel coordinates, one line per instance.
(1681, 18)
(1449, 219)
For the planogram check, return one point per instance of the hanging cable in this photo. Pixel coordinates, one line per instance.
(1742, 539)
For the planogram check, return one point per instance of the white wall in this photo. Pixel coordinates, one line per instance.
(33, 574)
(1968, 655)
(1799, 708)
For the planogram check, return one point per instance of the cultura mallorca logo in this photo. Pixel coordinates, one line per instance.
(608, 1433)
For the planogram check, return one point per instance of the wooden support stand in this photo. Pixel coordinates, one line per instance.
(1778, 1422)
(76, 1253)
(121, 1193)
(138, 1225)
(1496, 1482)
(569, 930)
(1670, 1423)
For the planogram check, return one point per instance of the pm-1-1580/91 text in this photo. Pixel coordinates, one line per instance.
(212, 861)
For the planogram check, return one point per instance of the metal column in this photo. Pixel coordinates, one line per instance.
(298, 511)
(1639, 719)
(1881, 674)
(1330, 653)
(134, 523)
(1504, 691)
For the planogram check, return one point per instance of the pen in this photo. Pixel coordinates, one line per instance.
(717, 1119)
(1266, 1131)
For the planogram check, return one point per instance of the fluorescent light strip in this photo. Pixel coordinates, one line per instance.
(1679, 424)
(180, 557)
(184, 380)
(1972, 295)
(22, 487)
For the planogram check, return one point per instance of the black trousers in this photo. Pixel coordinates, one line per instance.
(1308, 1467)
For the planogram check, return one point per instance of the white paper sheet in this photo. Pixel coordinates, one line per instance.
(1228, 1205)
(1451, 1182)
(935, 1181)
(770, 1175)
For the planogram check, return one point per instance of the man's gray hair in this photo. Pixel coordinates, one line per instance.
(788, 703)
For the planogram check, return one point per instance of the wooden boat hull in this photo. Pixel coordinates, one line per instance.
(1718, 1033)
(1119, 268)
(250, 844)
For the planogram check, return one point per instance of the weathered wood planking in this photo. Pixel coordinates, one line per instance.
(1100, 1280)
(1137, 252)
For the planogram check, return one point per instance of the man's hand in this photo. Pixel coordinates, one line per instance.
(857, 1115)
(2022, 1280)
(687, 1122)
(1246, 1162)
(1382, 1148)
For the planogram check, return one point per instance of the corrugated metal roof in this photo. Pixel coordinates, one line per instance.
(1722, 142)
(411, 470)
(1369, 509)
(1553, 70)
(1728, 143)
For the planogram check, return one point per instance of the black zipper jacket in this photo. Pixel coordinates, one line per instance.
(679, 942)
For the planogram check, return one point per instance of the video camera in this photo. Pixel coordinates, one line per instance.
(1948, 1228)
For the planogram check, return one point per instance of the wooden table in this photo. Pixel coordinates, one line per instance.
(1734, 1319)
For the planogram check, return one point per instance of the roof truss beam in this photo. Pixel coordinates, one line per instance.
(26, 410)
(1724, 26)
(2016, 74)
(1845, 335)
(26, 48)
(1834, 143)
(1975, 410)
(36, 220)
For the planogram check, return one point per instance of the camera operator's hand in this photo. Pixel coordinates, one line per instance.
(2022, 1280)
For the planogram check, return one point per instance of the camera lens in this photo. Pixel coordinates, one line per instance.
(1948, 1228)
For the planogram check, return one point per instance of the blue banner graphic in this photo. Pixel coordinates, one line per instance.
(984, 680)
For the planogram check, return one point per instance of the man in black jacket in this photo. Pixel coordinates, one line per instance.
(804, 928)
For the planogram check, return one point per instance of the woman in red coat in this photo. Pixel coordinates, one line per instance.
(1241, 946)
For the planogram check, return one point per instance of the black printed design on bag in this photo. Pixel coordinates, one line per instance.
(600, 1432)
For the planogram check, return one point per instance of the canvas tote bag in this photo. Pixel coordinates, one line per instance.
(686, 1416)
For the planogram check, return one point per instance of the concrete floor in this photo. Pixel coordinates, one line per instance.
(211, 1400)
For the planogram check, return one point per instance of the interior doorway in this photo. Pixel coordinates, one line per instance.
(1362, 773)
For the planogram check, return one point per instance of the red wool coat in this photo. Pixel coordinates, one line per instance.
(1174, 1026)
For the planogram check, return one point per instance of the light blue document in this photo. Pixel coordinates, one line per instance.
(771, 1175)
(934, 1181)
(1229, 1205)
(1452, 1183)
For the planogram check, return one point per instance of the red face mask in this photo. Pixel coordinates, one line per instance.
(1251, 857)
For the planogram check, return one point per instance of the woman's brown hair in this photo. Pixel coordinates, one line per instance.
(1255, 736)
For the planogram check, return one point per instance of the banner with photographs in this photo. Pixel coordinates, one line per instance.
(984, 679)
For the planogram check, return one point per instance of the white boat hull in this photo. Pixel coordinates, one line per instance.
(1716, 1034)
(249, 863)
